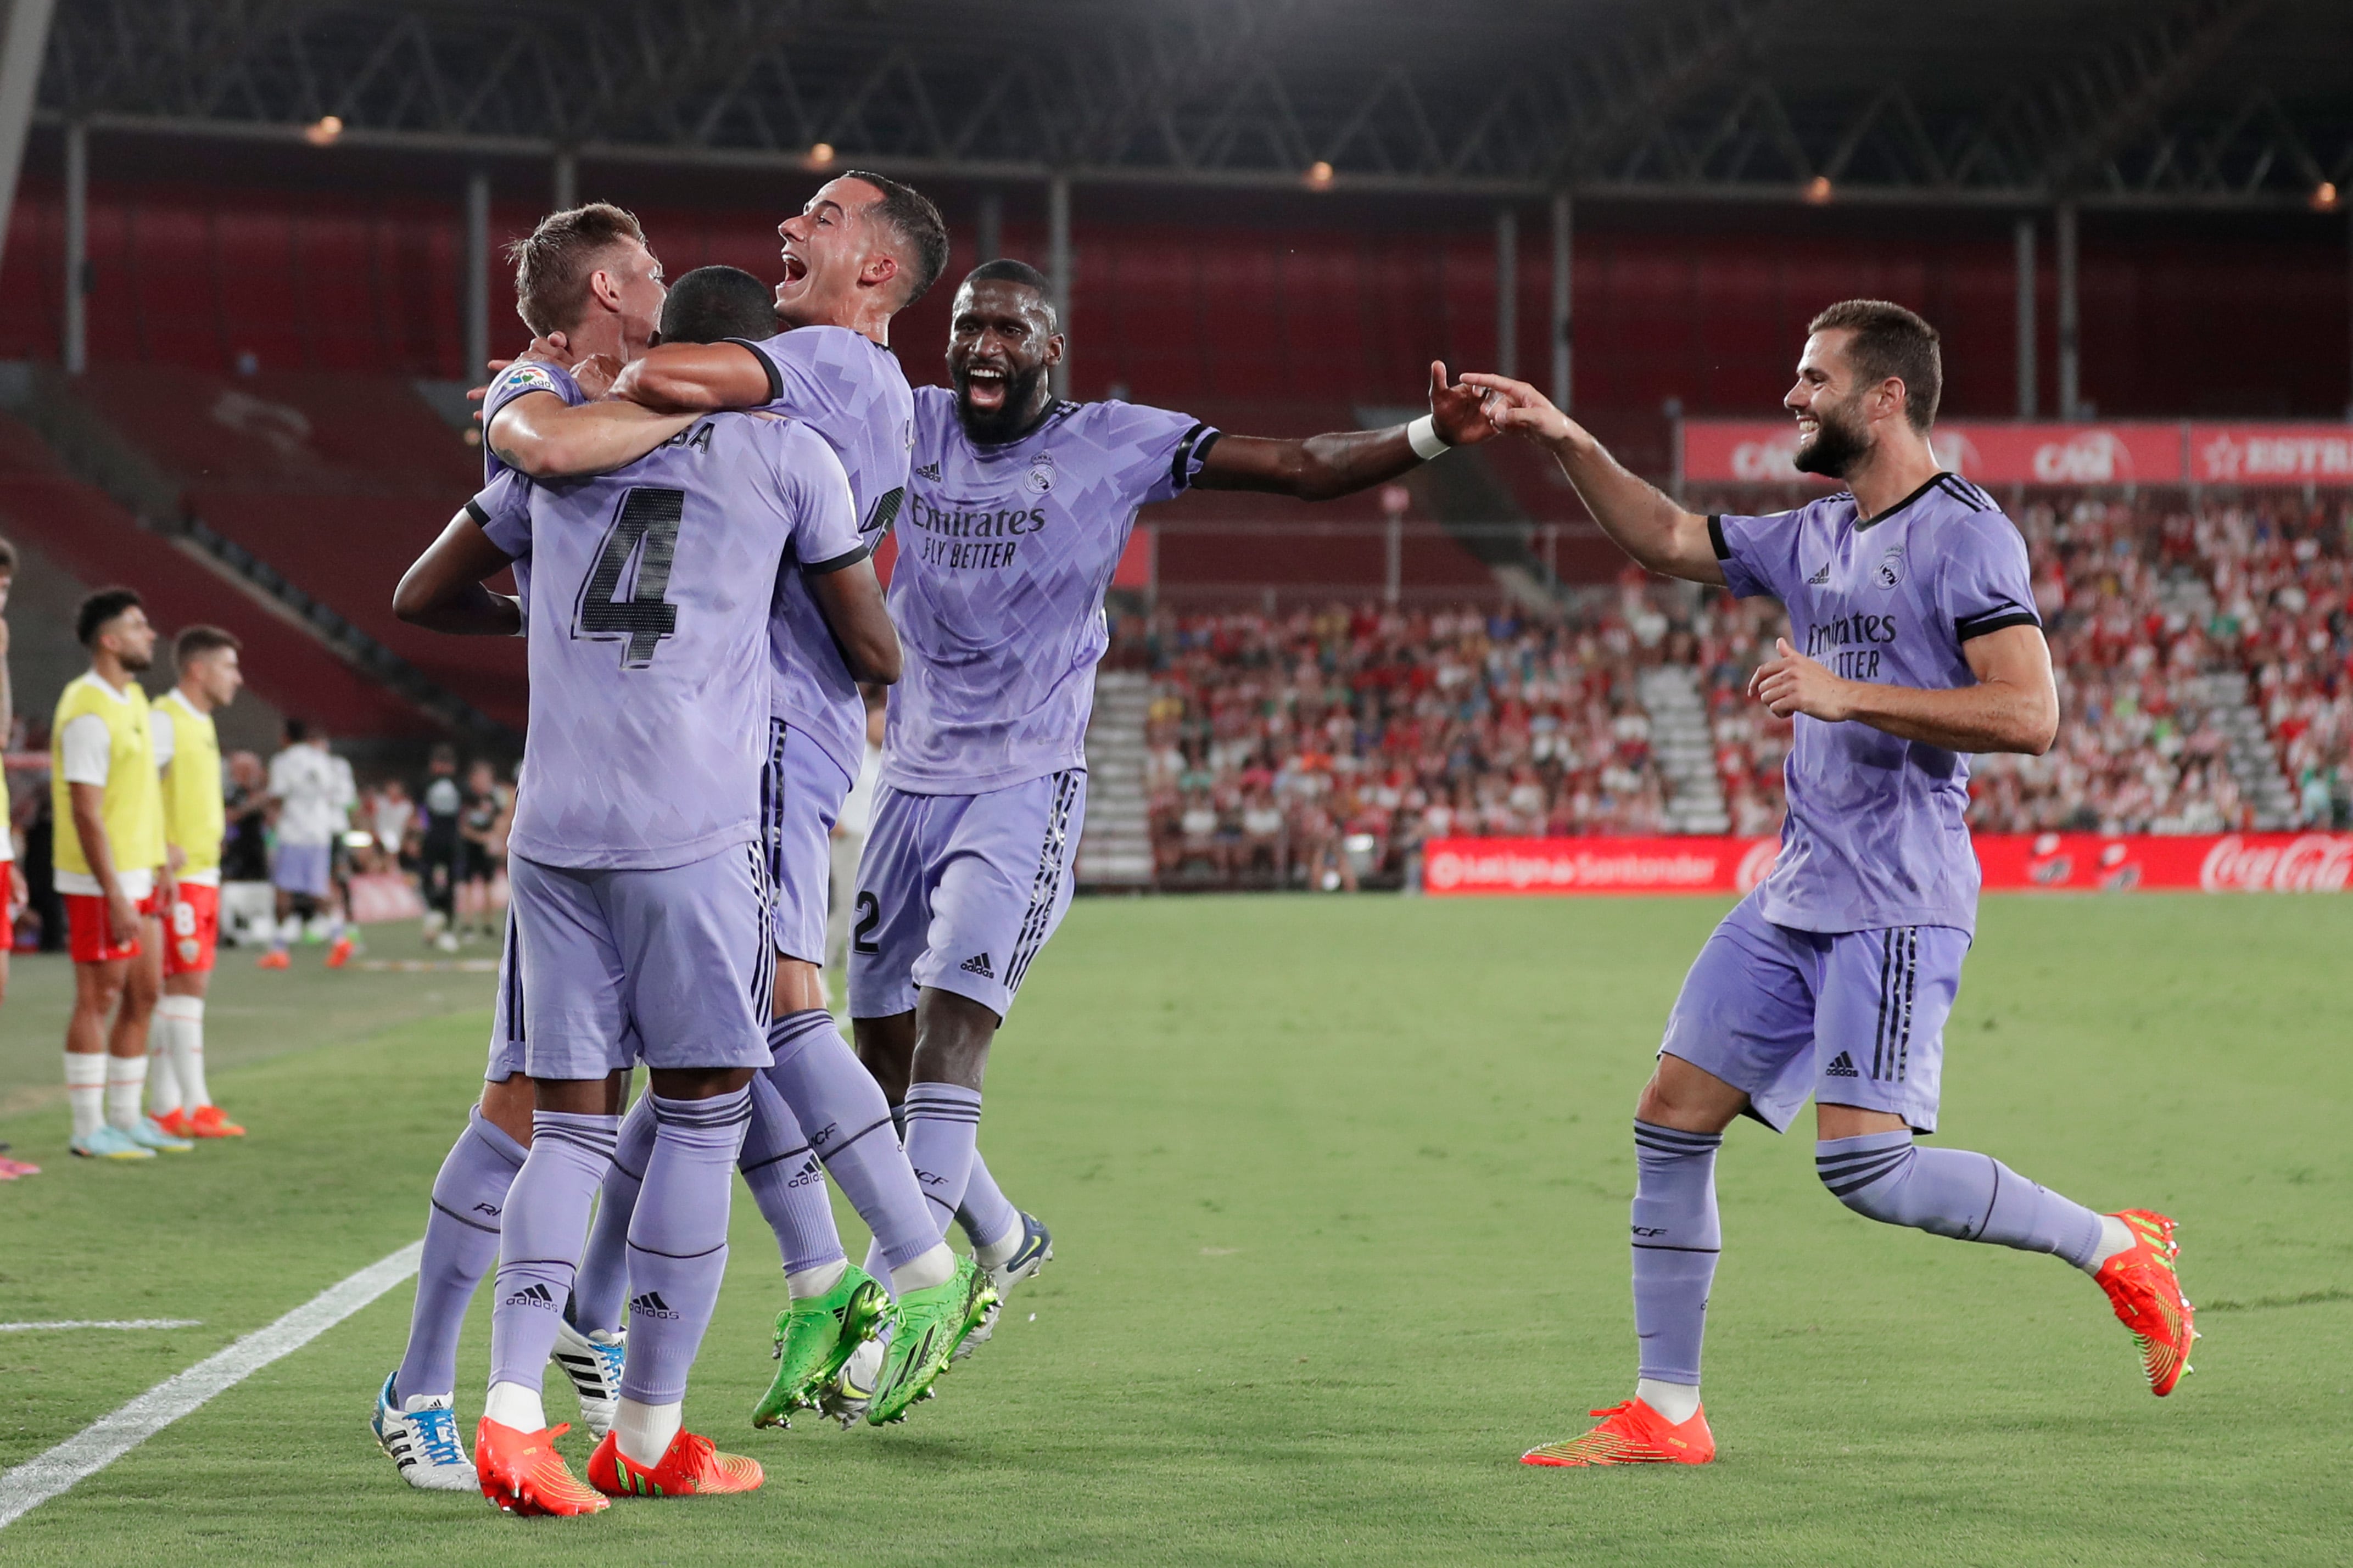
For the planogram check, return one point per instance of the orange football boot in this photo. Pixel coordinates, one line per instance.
(177, 1123)
(1632, 1433)
(340, 953)
(692, 1467)
(523, 1473)
(2143, 1285)
(210, 1121)
(274, 958)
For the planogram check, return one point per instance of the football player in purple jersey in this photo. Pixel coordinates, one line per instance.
(1912, 642)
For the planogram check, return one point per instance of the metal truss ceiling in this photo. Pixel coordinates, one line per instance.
(2183, 102)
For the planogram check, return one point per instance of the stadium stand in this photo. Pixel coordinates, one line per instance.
(2205, 658)
(87, 535)
(336, 482)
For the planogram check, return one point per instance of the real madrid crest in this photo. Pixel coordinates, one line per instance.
(1890, 570)
(1041, 477)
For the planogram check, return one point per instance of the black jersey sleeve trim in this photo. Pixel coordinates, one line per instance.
(775, 378)
(1715, 536)
(840, 562)
(474, 509)
(1197, 443)
(1993, 621)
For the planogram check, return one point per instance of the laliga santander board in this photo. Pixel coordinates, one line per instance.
(2013, 862)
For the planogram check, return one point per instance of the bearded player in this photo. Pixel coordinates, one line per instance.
(861, 249)
(1920, 644)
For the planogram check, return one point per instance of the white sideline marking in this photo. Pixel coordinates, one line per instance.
(105, 1323)
(110, 1437)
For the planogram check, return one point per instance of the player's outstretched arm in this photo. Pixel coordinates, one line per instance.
(1636, 515)
(696, 378)
(443, 591)
(850, 599)
(541, 435)
(2014, 706)
(1324, 467)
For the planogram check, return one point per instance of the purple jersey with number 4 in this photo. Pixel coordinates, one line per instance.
(1876, 835)
(650, 596)
(998, 587)
(849, 390)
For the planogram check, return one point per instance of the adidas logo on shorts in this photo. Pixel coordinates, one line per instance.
(1842, 1065)
(978, 965)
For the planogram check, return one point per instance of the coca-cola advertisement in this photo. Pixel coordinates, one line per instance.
(1758, 451)
(2013, 862)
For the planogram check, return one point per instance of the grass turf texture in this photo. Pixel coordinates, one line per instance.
(1338, 1190)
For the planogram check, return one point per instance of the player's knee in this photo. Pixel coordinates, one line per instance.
(1873, 1183)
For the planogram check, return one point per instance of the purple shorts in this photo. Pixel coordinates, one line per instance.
(302, 869)
(1848, 1017)
(960, 891)
(671, 967)
(801, 792)
(506, 1014)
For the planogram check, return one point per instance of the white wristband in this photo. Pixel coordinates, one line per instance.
(1423, 438)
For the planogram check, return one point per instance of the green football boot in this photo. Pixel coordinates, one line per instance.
(815, 1338)
(932, 1322)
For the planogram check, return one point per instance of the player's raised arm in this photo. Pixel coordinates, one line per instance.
(1322, 467)
(1636, 515)
(2013, 707)
(443, 591)
(541, 435)
(697, 378)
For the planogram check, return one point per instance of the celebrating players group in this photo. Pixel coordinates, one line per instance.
(687, 483)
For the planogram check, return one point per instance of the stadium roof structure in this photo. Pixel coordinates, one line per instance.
(2158, 103)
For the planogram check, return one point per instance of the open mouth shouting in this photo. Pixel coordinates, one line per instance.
(985, 386)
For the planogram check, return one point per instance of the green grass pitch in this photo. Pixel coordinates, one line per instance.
(1338, 1188)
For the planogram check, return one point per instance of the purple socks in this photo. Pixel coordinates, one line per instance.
(1955, 1192)
(985, 1212)
(678, 1240)
(1676, 1240)
(600, 1291)
(541, 1236)
(461, 1242)
(787, 1183)
(849, 1122)
(943, 1125)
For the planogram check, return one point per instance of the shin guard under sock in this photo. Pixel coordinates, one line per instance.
(678, 1239)
(1676, 1240)
(540, 1235)
(461, 1242)
(787, 1183)
(1954, 1192)
(851, 1126)
(943, 1126)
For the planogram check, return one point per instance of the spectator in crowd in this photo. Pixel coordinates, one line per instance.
(441, 846)
(311, 798)
(490, 805)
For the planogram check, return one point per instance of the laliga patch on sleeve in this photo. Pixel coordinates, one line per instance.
(526, 377)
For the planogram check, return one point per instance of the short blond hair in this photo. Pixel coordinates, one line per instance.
(553, 264)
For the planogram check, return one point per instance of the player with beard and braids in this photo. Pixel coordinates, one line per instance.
(1920, 644)
(863, 248)
(642, 907)
(583, 278)
(1019, 509)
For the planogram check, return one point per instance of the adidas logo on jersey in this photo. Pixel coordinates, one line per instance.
(532, 1296)
(651, 1305)
(1821, 578)
(928, 471)
(978, 965)
(1842, 1065)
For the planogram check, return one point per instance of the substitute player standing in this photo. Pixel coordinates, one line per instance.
(110, 869)
(313, 793)
(187, 749)
(1914, 642)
